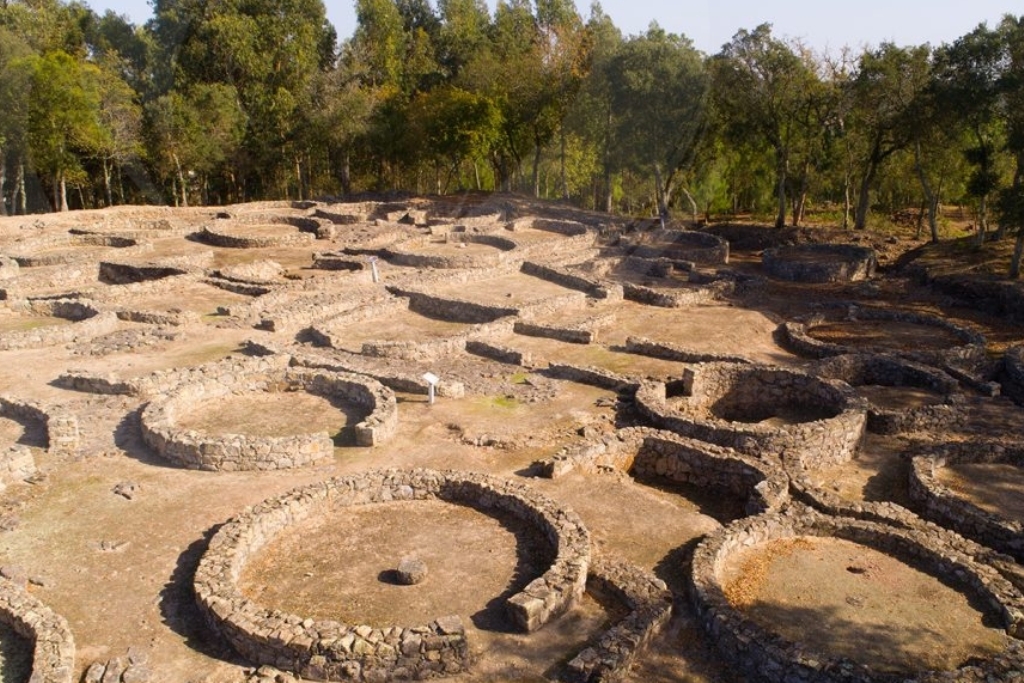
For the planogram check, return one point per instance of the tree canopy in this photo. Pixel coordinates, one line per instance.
(216, 102)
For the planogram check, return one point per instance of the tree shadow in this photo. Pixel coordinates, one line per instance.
(178, 608)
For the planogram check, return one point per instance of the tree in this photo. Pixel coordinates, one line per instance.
(63, 122)
(761, 86)
(968, 75)
(659, 86)
(1011, 199)
(194, 134)
(119, 138)
(15, 74)
(885, 88)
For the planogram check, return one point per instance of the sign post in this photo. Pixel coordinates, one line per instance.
(431, 379)
(373, 269)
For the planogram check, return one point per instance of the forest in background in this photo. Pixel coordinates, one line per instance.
(226, 101)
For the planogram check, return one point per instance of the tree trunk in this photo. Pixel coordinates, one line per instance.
(860, 221)
(694, 211)
(61, 190)
(982, 219)
(782, 164)
(3, 182)
(562, 174)
(107, 191)
(536, 169)
(20, 195)
(931, 199)
(1018, 251)
(298, 176)
(661, 198)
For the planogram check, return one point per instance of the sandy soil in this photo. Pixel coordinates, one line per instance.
(996, 488)
(119, 569)
(858, 603)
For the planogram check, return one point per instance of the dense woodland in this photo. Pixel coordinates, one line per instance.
(222, 101)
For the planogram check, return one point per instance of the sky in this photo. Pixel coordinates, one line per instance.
(819, 24)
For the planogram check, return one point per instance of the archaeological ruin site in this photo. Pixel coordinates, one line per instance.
(485, 438)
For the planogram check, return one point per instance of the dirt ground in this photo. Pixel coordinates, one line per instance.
(119, 568)
(858, 603)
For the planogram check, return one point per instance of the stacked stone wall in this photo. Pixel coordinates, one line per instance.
(328, 650)
(937, 502)
(673, 352)
(892, 371)
(27, 253)
(88, 321)
(650, 607)
(1013, 374)
(678, 298)
(683, 245)
(436, 348)
(725, 386)
(592, 287)
(595, 377)
(62, 434)
(16, 465)
(795, 336)
(828, 263)
(766, 656)
(233, 452)
(53, 646)
(213, 237)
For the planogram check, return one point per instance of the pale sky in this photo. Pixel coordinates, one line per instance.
(818, 23)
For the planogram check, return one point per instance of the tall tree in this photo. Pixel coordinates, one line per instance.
(761, 87)
(968, 74)
(885, 89)
(1011, 199)
(659, 86)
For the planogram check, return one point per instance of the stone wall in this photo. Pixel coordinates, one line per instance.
(87, 322)
(653, 454)
(680, 297)
(31, 253)
(1013, 373)
(434, 349)
(795, 336)
(592, 287)
(892, 371)
(596, 377)
(232, 452)
(673, 352)
(650, 607)
(820, 263)
(937, 502)
(766, 656)
(62, 435)
(53, 646)
(725, 388)
(215, 236)
(16, 465)
(328, 650)
(681, 245)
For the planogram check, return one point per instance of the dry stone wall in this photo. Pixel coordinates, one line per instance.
(939, 503)
(53, 646)
(87, 321)
(332, 651)
(734, 389)
(1013, 373)
(232, 452)
(650, 607)
(766, 656)
(820, 263)
(62, 434)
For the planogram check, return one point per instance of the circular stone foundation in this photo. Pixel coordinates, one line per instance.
(975, 488)
(32, 625)
(921, 338)
(186, 427)
(52, 322)
(323, 649)
(681, 245)
(864, 589)
(760, 410)
(904, 396)
(820, 263)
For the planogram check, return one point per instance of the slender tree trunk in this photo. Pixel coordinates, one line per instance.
(62, 192)
(860, 221)
(3, 183)
(536, 169)
(563, 177)
(107, 191)
(20, 194)
(931, 199)
(982, 218)
(476, 175)
(660, 196)
(1018, 251)
(782, 165)
(694, 211)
